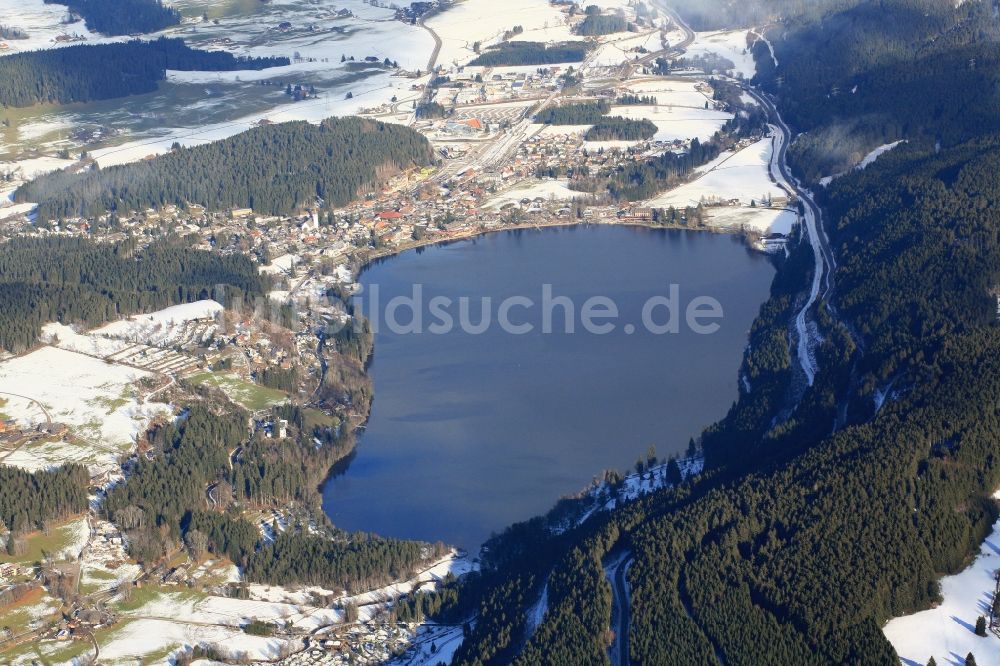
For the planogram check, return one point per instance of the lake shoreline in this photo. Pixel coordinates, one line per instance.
(372, 259)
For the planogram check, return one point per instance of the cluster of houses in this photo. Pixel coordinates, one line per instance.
(13, 436)
(481, 85)
(372, 642)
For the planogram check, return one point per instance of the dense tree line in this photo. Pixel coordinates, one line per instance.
(85, 72)
(601, 24)
(272, 471)
(28, 500)
(616, 128)
(637, 181)
(294, 165)
(575, 113)
(430, 110)
(631, 99)
(531, 53)
(74, 280)
(12, 32)
(356, 563)
(279, 378)
(153, 505)
(123, 17)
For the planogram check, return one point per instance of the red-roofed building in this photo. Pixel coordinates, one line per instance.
(389, 215)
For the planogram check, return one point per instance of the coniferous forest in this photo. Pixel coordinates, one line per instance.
(86, 72)
(123, 17)
(75, 280)
(617, 128)
(295, 164)
(165, 500)
(601, 24)
(531, 53)
(577, 113)
(28, 500)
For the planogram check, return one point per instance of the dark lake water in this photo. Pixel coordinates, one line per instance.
(471, 432)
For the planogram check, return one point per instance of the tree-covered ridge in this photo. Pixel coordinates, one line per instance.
(531, 53)
(722, 14)
(75, 280)
(28, 500)
(85, 72)
(291, 166)
(920, 75)
(617, 128)
(123, 17)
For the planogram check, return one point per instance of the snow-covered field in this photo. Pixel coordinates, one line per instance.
(731, 45)
(547, 189)
(762, 220)
(317, 40)
(865, 162)
(368, 602)
(142, 637)
(742, 175)
(679, 113)
(42, 22)
(432, 644)
(672, 92)
(162, 326)
(227, 612)
(620, 48)
(96, 399)
(473, 21)
(676, 123)
(947, 632)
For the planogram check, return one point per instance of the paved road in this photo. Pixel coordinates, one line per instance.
(616, 572)
(822, 281)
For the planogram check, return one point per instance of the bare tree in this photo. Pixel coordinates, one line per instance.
(197, 544)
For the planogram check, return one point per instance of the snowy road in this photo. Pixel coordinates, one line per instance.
(805, 327)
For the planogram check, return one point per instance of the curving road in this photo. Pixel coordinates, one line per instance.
(822, 281)
(616, 572)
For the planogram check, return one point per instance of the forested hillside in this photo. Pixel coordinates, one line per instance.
(163, 504)
(816, 520)
(719, 14)
(86, 72)
(294, 164)
(920, 75)
(74, 280)
(123, 17)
